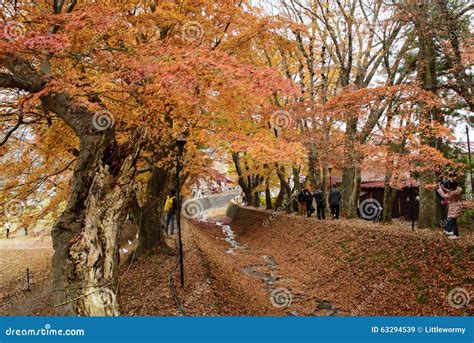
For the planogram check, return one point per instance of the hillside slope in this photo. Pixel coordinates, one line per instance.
(341, 267)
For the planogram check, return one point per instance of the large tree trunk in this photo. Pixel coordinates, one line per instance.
(389, 195)
(249, 198)
(245, 183)
(268, 195)
(287, 201)
(314, 174)
(281, 197)
(429, 216)
(85, 238)
(325, 187)
(349, 173)
(258, 180)
(70, 224)
(149, 215)
(427, 75)
(325, 182)
(256, 199)
(355, 193)
(296, 179)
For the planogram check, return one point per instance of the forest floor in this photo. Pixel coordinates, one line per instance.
(16, 255)
(286, 265)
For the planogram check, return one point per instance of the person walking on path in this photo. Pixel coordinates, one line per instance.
(335, 202)
(7, 229)
(320, 205)
(455, 207)
(170, 209)
(309, 203)
(302, 202)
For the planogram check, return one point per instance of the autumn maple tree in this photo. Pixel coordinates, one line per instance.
(92, 105)
(103, 98)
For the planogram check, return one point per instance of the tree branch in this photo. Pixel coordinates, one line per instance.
(9, 81)
(9, 133)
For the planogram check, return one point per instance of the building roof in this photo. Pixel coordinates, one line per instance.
(372, 175)
(372, 178)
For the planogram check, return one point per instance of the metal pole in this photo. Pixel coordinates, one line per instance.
(412, 209)
(178, 220)
(27, 279)
(470, 159)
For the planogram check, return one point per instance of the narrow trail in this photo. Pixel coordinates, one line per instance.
(267, 272)
(205, 292)
(151, 287)
(250, 265)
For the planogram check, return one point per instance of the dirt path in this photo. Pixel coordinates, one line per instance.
(255, 274)
(249, 280)
(145, 291)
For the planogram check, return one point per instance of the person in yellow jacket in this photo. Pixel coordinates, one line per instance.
(170, 210)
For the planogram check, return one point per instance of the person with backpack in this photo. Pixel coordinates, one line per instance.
(171, 205)
(455, 207)
(335, 202)
(302, 202)
(320, 204)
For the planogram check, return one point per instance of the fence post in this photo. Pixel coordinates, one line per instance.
(28, 279)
